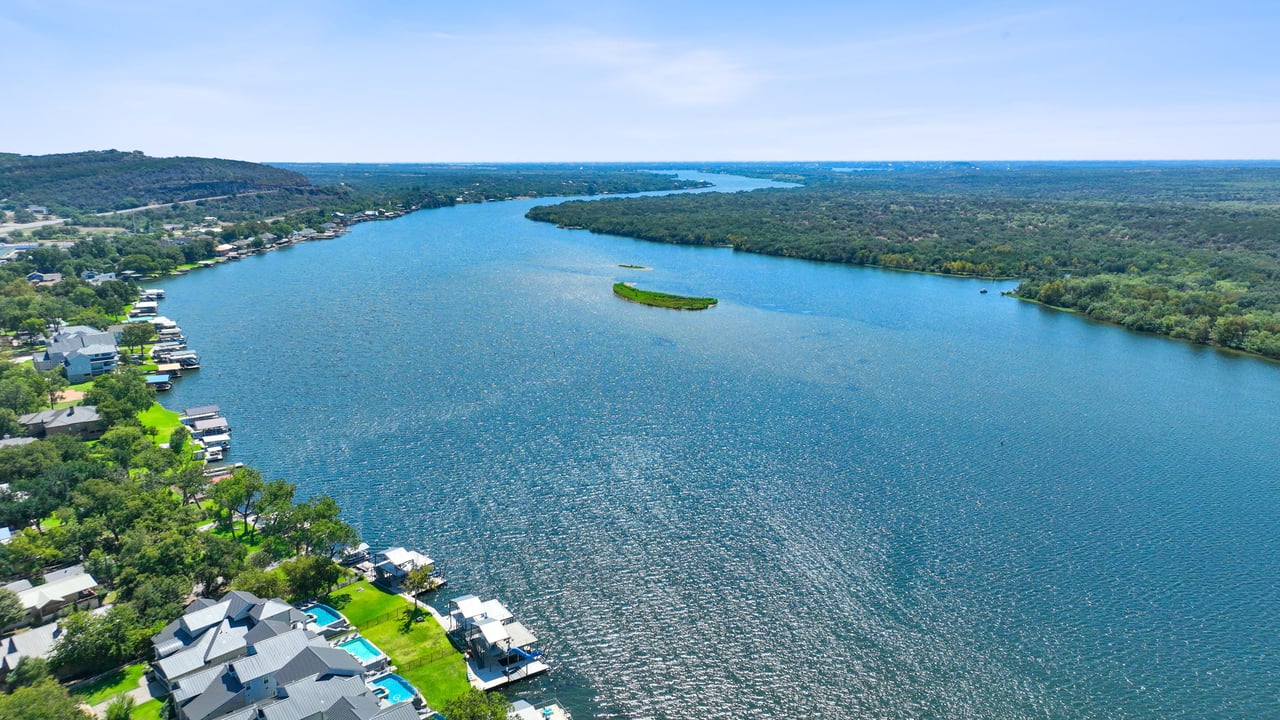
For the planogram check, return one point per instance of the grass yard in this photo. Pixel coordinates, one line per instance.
(251, 545)
(164, 420)
(149, 710)
(411, 649)
(108, 686)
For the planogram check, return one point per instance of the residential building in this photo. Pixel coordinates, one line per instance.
(62, 592)
(36, 642)
(82, 352)
(80, 420)
(244, 658)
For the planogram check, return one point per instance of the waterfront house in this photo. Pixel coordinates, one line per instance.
(243, 658)
(80, 351)
(82, 421)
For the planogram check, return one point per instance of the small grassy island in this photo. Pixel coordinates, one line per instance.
(664, 300)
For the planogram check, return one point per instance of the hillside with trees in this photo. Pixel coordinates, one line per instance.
(1189, 251)
(114, 180)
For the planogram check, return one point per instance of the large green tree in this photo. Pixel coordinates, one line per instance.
(44, 700)
(239, 494)
(120, 395)
(477, 705)
(310, 576)
(137, 334)
(11, 609)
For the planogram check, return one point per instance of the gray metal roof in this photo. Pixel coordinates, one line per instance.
(270, 655)
(322, 661)
(308, 697)
(399, 711)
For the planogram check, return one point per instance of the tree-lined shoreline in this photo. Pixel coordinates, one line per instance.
(1188, 251)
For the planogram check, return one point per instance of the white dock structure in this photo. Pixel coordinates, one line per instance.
(499, 649)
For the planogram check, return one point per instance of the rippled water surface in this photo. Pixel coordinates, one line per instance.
(842, 492)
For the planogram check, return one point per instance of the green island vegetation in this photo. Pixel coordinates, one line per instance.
(634, 267)
(1191, 251)
(662, 300)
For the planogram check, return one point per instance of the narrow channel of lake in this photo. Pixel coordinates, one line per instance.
(842, 492)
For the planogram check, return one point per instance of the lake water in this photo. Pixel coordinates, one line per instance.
(841, 493)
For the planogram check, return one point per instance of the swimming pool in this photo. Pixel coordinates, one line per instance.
(324, 615)
(397, 689)
(363, 650)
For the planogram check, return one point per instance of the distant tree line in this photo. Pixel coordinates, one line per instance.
(1190, 252)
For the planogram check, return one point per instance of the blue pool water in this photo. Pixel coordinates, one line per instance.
(324, 615)
(398, 689)
(364, 651)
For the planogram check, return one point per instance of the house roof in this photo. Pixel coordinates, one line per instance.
(36, 642)
(96, 349)
(307, 698)
(313, 680)
(56, 590)
(399, 711)
(270, 655)
(58, 418)
(322, 661)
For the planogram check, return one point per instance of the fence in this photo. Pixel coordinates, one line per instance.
(437, 655)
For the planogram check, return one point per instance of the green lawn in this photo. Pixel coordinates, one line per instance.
(149, 710)
(440, 680)
(164, 420)
(108, 686)
(251, 545)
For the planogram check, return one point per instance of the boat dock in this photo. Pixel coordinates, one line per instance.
(499, 650)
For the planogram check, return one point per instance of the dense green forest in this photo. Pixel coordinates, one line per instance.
(114, 180)
(1190, 251)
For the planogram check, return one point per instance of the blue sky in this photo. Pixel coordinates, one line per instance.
(426, 81)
